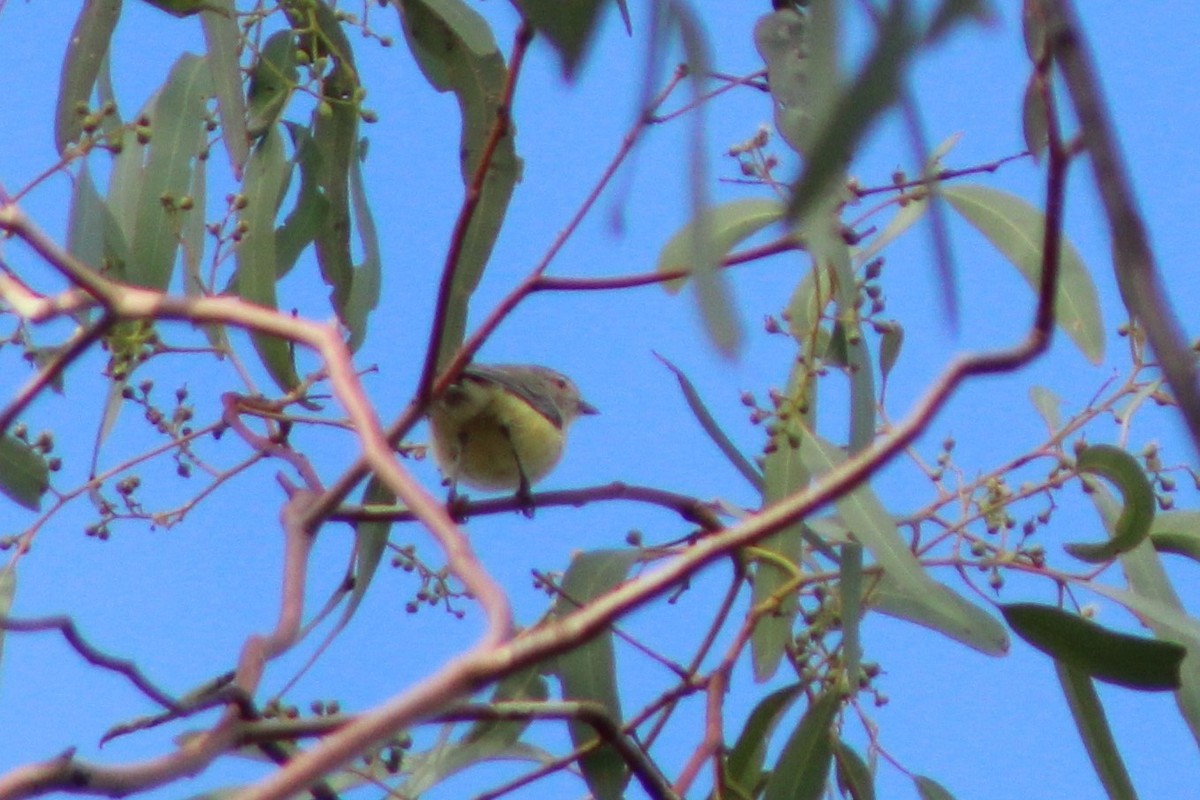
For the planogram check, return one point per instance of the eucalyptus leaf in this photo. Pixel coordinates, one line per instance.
(24, 475)
(1089, 717)
(803, 764)
(1015, 228)
(1133, 526)
(1130, 661)
(589, 672)
(86, 49)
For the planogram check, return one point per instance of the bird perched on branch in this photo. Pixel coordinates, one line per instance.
(502, 427)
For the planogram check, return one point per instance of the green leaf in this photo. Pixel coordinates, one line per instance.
(182, 8)
(311, 210)
(370, 541)
(929, 789)
(1153, 599)
(485, 740)
(870, 523)
(570, 27)
(1048, 405)
(856, 108)
(803, 764)
(177, 136)
(86, 49)
(1130, 661)
(457, 52)
(1033, 118)
(24, 476)
(850, 595)
(589, 671)
(807, 307)
(255, 280)
(784, 474)
(1177, 532)
(781, 41)
(939, 608)
(93, 235)
(728, 225)
(1094, 731)
(492, 734)
(1133, 526)
(222, 38)
(272, 80)
(853, 775)
(364, 289)
(8, 589)
(889, 348)
(744, 764)
(713, 428)
(1015, 228)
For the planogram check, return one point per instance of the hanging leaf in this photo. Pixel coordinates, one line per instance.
(1094, 732)
(1048, 405)
(88, 45)
(273, 78)
(728, 225)
(853, 775)
(1177, 532)
(255, 280)
(803, 764)
(1131, 661)
(929, 789)
(866, 518)
(24, 475)
(222, 38)
(744, 764)
(457, 53)
(784, 474)
(1015, 228)
(589, 672)
(1133, 526)
(570, 27)
(176, 133)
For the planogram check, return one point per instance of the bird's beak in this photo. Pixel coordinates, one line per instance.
(587, 408)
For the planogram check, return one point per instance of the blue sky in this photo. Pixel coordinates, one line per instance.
(180, 602)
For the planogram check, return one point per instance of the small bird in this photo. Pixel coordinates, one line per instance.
(503, 426)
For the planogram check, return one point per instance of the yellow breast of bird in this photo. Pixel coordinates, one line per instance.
(483, 446)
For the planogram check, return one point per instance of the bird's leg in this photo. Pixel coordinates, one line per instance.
(456, 504)
(524, 493)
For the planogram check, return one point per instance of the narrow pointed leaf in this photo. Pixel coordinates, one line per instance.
(713, 428)
(457, 53)
(256, 252)
(1015, 228)
(803, 764)
(870, 523)
(589, 672)
(177, 136)
(889, 348)
(86, 50)
(744, 764)
(784, 474)
(729, 224)
(1131, 661)
(24, 476)
(221, 37)
(1133, 526)
(1095, 733)
(939, 608)
(272, 80)
(8, 589)
(570, 27)
(1177, 532)
(364, 289)
(1161, 611)
(853, 775)
(929, 789)
(1048, 405)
